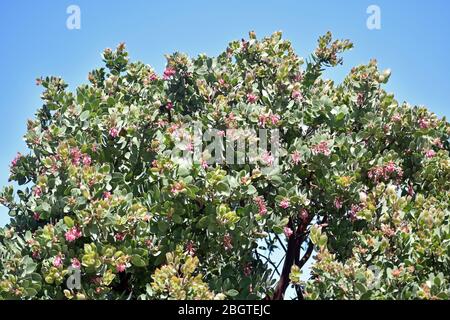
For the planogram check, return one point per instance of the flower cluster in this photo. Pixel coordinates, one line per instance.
(385, 172)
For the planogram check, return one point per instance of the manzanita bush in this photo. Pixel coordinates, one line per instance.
(361, 184)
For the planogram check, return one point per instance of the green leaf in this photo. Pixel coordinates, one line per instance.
(68, 221)
(232, 293)
(84, 115)
(203, 222)
(223, 188)
(163, 226)
(138, 261)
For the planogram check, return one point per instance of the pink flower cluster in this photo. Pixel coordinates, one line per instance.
(338, 203)
(119, 236)
(121, 267)
(78, 157)
(288, 232)
(424, 123)
(168, 73)
(57, 261)
(272, 118)
(297, 95)
(360, 99)
(73, 234)
(251, 98)
(438, 143)
(16, 160)
(296, 157)
(385, 172)
(396, 118)
(169, 105)
(267, 158)
(113, 132)
(353, 214)
(75, 263)
(285, 203)
(37, 191)
(204, 164)
(304, 215)
(321, 148)
(153, 76)
(262, 208)
(190, 248)
(248, 269)
(430, 154)
(227, 242)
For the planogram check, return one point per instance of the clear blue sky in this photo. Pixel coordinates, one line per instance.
(413, 42)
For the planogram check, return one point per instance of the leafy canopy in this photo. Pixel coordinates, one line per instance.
(362, 184)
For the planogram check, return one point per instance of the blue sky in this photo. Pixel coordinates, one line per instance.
(412, 41)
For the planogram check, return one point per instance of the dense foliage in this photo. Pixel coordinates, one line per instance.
(362, 184)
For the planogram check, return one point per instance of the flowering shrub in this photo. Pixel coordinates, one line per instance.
(360, 183)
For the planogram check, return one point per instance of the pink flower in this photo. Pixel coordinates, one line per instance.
(36, 216)
(168, 73)
(87, 160)
(76, 263)
(76, 155)
(121, 267)
(190, 146)
(396, 118)
(221, 82)
(411, 190)
(262, 120)
(274, 118)
(430, 154)
(267, 158)
(338, 203)
(153, 77)
(248, 270)
(190, 248)
(304, 215)
(37, 191)
(285, 203)
(438, 143)
(424, 123)
(360, 99)
(390, 167)
(169, 105)
(251, 98)
(119, 236)
(107, 195)
(262, 208)
(204, 164)
(353, 214)
(16, 160)
(57, 261)
(114, 132)
(296, 157)
(321, 148)
(73, 234)
(227, 242)
(288, 232)
(297, 95)
(221, 133)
